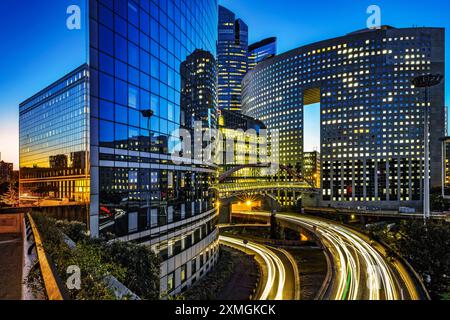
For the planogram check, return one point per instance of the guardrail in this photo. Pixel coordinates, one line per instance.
(52, 283)
(373, 213)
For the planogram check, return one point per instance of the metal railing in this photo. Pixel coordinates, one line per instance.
(224, 188)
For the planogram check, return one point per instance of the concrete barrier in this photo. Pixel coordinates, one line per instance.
(11, 223)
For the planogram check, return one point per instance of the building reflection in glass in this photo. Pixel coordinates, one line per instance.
(139, 189)
(54, 147)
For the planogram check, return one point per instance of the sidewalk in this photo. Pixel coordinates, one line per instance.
(11, 251)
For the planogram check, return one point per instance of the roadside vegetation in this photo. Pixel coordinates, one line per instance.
(136, 266)
(426, 248)
(234, 277)
(212, 284)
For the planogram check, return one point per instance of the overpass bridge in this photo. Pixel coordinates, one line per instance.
(266, 190)
(227, 190)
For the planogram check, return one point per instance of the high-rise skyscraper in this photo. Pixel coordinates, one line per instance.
(103, 134)
(232, 51)
(260, 51)
(372, 117)
(199, 89)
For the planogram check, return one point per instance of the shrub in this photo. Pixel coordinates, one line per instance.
(141, 267)
(136, 266)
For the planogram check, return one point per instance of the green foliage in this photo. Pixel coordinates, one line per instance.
(74, 230)
(437, 203)
(90, 259)
(426, 248)
(137, 267)
(141, 266)
(87, 258)
(446, 296)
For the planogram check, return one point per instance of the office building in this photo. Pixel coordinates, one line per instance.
(244, 142)
(260, 51)
(311, 168)
(54, 135)
(104, 134)
(372, 119)
(6, 172)
(232, 51)
(446, 167)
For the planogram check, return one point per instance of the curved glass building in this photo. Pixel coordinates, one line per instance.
(371, 116)
(110, 128)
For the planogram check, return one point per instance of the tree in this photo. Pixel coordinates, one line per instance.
(275, 230)
(10, 198)
(4, 187)
(426, 248)
(437, 203)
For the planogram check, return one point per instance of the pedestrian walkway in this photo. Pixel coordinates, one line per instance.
(11, 253)
(11, 259)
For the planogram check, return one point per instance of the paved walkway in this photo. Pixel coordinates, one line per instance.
(11, 253)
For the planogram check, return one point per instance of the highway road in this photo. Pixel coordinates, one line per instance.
(279, 272)
(361, 270)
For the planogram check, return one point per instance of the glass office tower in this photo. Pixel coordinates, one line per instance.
(232, 50)
(54, 142)
(372, 117)
(260, 51)
(135, 97)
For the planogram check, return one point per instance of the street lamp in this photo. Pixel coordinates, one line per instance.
(147, 113)
(427, 81)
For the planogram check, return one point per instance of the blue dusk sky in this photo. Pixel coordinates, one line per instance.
(37, 48)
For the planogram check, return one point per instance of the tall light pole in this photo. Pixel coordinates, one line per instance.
(426, 82)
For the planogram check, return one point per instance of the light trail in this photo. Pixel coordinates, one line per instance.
(357, 259)
(362, 270)
(276, 273)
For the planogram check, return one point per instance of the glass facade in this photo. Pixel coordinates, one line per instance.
(144, 81)
(140, 55)
(371, 115)
(6, 172)
(261, 51)
(311, 168)
(54, 142)
(446, 167)
(105, 133)
(249, 142)
(232, 50)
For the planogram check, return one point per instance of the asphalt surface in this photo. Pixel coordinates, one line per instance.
(11, 253)
(278, 274)
(360, 268)
(312, 266)
(244, 278)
